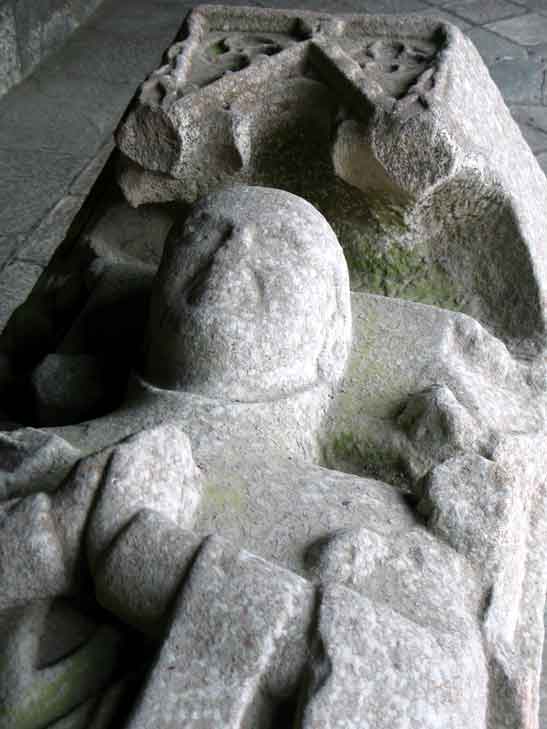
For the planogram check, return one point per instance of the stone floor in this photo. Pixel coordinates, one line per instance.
(55, 127)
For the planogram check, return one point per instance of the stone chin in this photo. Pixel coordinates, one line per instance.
(251, 300)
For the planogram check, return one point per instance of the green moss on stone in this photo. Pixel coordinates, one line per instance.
(373, 460)
(57, 691)
(217, 48)
(346, 447)
(385, 257)
(397, 271)
(370, 458)
(226, 497)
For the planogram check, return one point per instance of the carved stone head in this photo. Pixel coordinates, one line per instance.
(251, 300)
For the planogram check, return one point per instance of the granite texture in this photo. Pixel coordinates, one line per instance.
(30, 31)
(387, 524)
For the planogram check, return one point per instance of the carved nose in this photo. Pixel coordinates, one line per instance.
(230, 261)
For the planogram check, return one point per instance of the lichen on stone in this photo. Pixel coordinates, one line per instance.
(56, 692)
(384, 256)
(371, 459)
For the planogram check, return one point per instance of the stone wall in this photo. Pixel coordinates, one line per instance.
(31, 29)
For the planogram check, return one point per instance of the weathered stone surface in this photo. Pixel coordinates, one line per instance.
(520, 82)
(32, 460)
(423, 216)
(30, 569)
(93, 116)
(30, 31)
(72, 504)
(131, 236)
(111, 60)
(440, 427)
(445, 16)
(32, 695)
(492, 511)
(69, 388)
(342, 528)
(528, 29)
(533, 124)
(39, 246)
(409, 588)
(202, 673)
(465, 386)
(21, 211)
(495, 48)
(480, 12)
(248, 264)
(82, 184)
(10, 69)
(139, 576)
(471, 500)
(368, 655)
(409, 570)
(153, 469)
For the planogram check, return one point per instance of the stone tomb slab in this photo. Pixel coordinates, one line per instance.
(343, 525)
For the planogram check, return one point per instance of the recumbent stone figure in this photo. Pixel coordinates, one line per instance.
(312, 508)
(200, 514)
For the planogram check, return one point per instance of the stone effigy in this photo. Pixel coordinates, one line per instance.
(289, 501)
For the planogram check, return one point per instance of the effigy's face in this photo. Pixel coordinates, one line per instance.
(252, 299)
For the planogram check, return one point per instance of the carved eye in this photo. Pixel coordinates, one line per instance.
(258, 40)
(218, 48)
(237, 62)
(271, 49)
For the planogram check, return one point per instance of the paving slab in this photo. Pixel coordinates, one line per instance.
(519, 74)
(380, 7)
(535, 116)
(392, 6)
(533, 124)
(538, 52)
(83, 182)
(41, 243)
(444, 15)
(486, 11)
(30, 184)
(528, 30)
(128, 18)
(520, 82)
(97, 54)
(44, 96)
(536, 139)
(494, 48)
